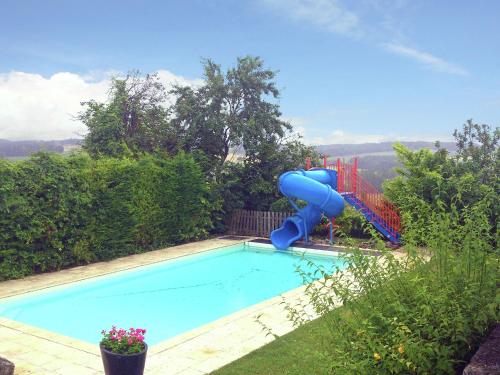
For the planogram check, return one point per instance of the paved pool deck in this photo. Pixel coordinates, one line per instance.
(199, 351)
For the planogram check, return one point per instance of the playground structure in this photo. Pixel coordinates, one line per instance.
(326, 189)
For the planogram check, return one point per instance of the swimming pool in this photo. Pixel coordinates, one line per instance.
(166, 298)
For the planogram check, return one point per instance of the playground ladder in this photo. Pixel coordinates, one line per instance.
(365, 198)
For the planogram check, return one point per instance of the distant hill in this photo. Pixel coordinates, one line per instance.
(381, 148)
(377, 161)
(20, 149)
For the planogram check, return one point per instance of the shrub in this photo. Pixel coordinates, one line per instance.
(60, 211)
(43, 208)
(349, 223)
(418, 314)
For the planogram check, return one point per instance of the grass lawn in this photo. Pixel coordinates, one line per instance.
(298, 352)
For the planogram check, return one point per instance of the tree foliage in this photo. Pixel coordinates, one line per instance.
(231, 111)
(478, 151)
(134, 120)
(233, 116)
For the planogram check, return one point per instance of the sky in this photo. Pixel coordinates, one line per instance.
(348, 71)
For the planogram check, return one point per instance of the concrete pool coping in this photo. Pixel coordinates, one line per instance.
(198, 351)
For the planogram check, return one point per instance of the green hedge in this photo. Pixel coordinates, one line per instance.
(57, 211)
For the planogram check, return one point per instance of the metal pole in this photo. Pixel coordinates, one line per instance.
(332, 220)
(355, 175)
(339, 177)
(307, 234)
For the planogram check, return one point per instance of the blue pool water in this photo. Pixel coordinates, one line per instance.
(167, 298)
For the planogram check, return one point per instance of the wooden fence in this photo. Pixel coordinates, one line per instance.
(256, 223)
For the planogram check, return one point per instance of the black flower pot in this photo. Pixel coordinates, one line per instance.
(123, 364)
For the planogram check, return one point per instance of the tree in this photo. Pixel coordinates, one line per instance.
(478, 151)
(263, 166)
(235, 111)
(133, 120)
(231, 111)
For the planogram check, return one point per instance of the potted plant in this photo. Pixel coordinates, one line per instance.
(123, 352)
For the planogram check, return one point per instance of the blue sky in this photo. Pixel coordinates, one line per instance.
(349, 71)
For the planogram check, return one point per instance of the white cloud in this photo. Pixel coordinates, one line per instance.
(328, 15)
(35, 107)
(427, 59)
(168, 79)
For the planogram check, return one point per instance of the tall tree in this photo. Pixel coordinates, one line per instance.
(133, 120)
(478, 151)
(232, 110)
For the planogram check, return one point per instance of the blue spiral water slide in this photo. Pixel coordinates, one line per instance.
(318, 188)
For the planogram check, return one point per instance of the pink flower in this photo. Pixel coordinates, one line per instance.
(122, 340)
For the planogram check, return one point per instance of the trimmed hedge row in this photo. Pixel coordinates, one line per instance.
(57, 211)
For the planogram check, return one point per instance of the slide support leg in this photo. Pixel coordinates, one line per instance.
(306, 237)
(331, 222)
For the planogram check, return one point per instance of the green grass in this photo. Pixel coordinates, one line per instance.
(299, 352)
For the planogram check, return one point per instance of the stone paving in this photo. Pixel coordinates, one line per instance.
(200, 351)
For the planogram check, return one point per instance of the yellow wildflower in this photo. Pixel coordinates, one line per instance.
(401, 349)
(377, 357)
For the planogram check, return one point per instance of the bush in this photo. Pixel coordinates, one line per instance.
(423, 313)
(426, 178)
(57, 211)
(43, 208)
(349, 223)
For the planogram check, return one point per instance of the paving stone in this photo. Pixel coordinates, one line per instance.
(190, 371)
(211, 364)
(36, 358)
(25, 369)
(75, 370)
